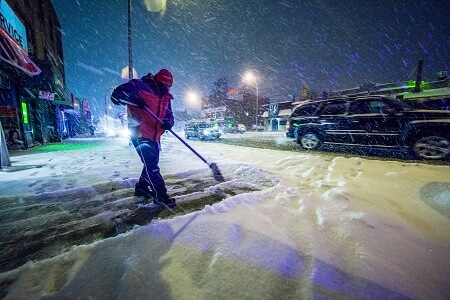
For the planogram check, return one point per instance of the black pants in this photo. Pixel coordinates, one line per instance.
(148, 151)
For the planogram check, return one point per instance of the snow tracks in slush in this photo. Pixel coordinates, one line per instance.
(35, 227)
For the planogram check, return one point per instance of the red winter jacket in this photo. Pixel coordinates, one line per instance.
(146, 91)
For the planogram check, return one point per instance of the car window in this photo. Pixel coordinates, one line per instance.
(369, 107)
(430, 104)
(305, 110)
(334, 108)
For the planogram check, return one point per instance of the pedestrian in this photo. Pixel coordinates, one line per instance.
(151, 91)
(14, 142)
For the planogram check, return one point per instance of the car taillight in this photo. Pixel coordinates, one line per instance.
(288, 126)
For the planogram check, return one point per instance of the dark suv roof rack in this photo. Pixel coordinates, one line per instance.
(348, 97)
(392, 89)
(403, 89)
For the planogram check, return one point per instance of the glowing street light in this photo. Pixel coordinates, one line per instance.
(250, 77)
(192, 98)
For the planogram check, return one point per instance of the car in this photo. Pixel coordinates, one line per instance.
(430, 103)
(239, 128)
(371, 121)
(229, 129)
(258, 128)
(201, 130)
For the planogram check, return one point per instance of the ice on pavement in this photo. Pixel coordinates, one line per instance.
(324, 227)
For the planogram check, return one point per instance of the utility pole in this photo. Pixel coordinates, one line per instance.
(106, 113)
(257, 104)
(130, 49)
(417, 88)
(250, 77)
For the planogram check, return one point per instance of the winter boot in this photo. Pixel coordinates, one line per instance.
(143, 191)
(171, 203)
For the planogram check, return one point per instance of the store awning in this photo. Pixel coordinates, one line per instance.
(13, 54)
(284, 112)
(72, 112)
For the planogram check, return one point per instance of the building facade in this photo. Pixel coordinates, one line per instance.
(275, 115)
(33, 95)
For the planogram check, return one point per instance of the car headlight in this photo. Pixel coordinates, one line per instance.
(111, 132)
(206, 132)
(125, 133)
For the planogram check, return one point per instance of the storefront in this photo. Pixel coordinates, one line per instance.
(275, 117)
(14, 63)
(32, 91)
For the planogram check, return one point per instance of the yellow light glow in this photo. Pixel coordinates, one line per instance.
(249, 77)
(192, 98)
(156, 5)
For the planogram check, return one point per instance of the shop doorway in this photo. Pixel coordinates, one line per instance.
(274, 125)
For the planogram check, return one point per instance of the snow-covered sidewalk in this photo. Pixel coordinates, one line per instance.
(300, 226)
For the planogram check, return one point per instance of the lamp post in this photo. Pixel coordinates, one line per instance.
(106, 106)
(193, 100)
(130, 49)
(250, 77)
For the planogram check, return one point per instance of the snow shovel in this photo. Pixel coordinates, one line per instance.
(215, 170)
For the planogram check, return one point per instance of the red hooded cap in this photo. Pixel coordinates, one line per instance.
(164, 76)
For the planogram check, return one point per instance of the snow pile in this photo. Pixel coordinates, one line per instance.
(317, 227)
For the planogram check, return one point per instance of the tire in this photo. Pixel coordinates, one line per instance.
(432, 147)
(310, 141)
(187, 136)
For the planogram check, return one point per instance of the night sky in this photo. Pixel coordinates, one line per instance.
(324, 44)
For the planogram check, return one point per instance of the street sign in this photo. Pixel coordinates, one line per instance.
(46, 95)
(234, 95)
(12, 25)
(13, 54)
(85, 105)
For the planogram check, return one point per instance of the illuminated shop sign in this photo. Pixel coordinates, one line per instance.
(12, 25)
(46, 95)
(85, 105)
(13, 54)
(25, 113)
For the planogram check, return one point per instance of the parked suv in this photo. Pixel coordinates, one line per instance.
(430, 103)
(201, 130)
(374, 121)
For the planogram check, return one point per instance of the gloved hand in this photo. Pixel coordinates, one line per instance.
(166, 124)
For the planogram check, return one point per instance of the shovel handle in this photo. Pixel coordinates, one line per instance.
(176, 135)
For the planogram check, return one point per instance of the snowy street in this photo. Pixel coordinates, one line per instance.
(285, 224)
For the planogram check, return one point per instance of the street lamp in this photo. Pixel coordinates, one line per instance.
(192, 98)
(106, 105)
(130, 50)
(249, 77)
